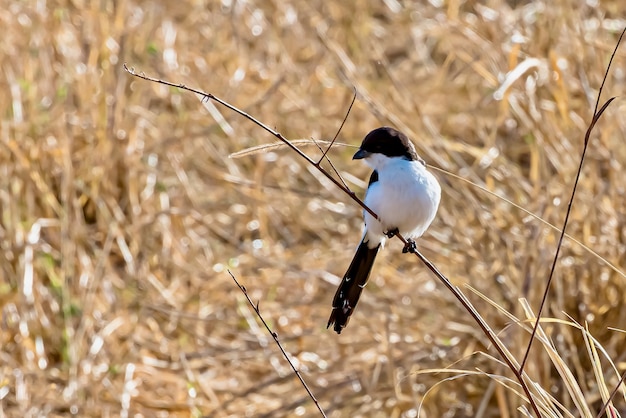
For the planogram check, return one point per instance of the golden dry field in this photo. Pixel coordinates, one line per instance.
(122, 210)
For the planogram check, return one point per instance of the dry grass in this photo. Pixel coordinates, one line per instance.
(120, 211)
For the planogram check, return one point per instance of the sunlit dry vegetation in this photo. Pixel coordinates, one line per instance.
(121, 211)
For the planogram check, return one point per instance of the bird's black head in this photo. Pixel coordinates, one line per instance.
(389, 142)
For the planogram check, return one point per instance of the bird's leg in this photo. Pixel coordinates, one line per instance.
(409, 247)
(392, 233)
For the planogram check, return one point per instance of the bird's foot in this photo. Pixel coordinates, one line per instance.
(409, 247)
(392, 233)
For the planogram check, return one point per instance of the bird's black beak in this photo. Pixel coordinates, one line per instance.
(360, 154)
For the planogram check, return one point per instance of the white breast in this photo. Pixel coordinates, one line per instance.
(406, 197)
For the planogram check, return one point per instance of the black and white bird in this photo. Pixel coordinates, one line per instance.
(404, 195)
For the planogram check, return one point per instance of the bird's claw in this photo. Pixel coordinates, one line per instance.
(392, 233)
(409, 247)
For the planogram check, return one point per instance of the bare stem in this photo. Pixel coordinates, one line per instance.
(275, 337)
(596, 116)
(343, 122)
(608, 401)
(209, 96)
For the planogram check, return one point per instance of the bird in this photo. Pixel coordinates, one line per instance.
(404, 195)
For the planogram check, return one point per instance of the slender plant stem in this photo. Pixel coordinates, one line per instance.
(275, 337)
(611, 396)
(596, 116)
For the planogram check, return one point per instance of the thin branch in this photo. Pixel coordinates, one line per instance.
(457, 293)
(209, 96)
(519, 374)
(275, 337)
(596, 116)
(608, 401)
(330, 161)
(533, 215)
(339, 130)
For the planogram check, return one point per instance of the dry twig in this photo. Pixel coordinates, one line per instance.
(275, 337)
(596, 116)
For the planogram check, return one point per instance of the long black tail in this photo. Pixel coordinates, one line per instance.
(351, 286)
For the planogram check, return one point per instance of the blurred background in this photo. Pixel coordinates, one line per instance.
(121, 211)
